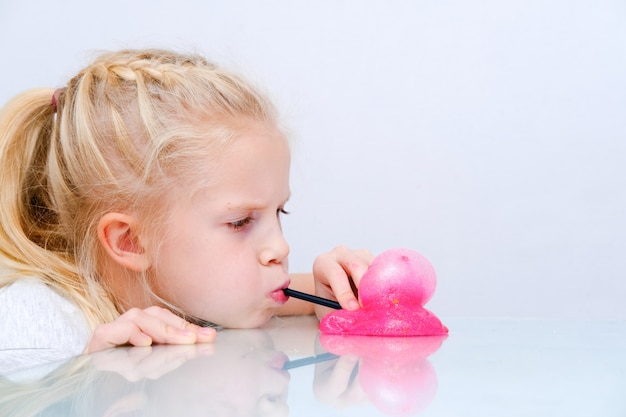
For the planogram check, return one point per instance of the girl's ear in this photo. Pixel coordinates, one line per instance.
(117, 233)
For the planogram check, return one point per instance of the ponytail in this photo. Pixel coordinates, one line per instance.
(30, 240)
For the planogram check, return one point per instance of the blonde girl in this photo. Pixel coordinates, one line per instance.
(140, 203)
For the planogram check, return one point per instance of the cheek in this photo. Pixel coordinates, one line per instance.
(182, 268)
(188, 244)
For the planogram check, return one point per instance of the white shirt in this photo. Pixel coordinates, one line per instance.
(38, 325)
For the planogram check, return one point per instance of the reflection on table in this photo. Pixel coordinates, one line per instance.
(484, 367)
(393, 373)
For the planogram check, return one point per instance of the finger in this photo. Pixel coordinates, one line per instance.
(161, 325)
(344, 292)
(167, 317)
(142, 327)
(202, 334)
(332, 282)
(355, 263)
(117, 333)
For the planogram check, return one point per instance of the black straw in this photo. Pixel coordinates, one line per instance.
(311, 298)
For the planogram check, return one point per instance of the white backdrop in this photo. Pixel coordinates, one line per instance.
(488, 135)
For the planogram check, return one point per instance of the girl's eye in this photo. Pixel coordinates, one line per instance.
(279, 212)
(240, 224)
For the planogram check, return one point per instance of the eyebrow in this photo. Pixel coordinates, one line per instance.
(252, 206)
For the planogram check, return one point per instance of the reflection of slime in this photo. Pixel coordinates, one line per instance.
(393, 292)
(393, 372)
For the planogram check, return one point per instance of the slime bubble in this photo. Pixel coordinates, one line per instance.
(393, 292)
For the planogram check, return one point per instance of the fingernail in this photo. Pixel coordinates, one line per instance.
(206, 330)
(353, 305)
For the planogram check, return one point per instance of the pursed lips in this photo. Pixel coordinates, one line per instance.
(278, 295)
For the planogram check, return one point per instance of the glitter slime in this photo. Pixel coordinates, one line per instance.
(393, 292)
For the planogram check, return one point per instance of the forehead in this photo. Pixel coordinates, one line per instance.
(212, 146)
(261, 154)
(252, 169)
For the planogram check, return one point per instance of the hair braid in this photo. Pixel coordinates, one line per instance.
(129, 130)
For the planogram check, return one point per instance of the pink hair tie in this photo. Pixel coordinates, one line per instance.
(55, 97)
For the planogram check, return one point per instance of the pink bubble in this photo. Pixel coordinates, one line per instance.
(393, 292)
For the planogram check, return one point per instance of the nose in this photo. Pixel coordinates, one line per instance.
(275, 250)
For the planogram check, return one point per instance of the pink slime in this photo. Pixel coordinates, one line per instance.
(393, 292)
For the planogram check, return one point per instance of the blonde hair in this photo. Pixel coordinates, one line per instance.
(123, 135)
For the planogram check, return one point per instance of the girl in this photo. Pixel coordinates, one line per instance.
(141, 203)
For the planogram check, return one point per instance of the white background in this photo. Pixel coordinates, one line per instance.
(488, 135)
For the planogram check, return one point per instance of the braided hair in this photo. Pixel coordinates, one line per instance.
(124, 134)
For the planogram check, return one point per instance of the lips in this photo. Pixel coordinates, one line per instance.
(278, 295)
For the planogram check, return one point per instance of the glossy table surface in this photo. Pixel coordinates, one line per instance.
(484, 367)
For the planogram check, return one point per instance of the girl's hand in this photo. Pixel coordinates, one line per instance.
(143, 327)
(337, 275)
